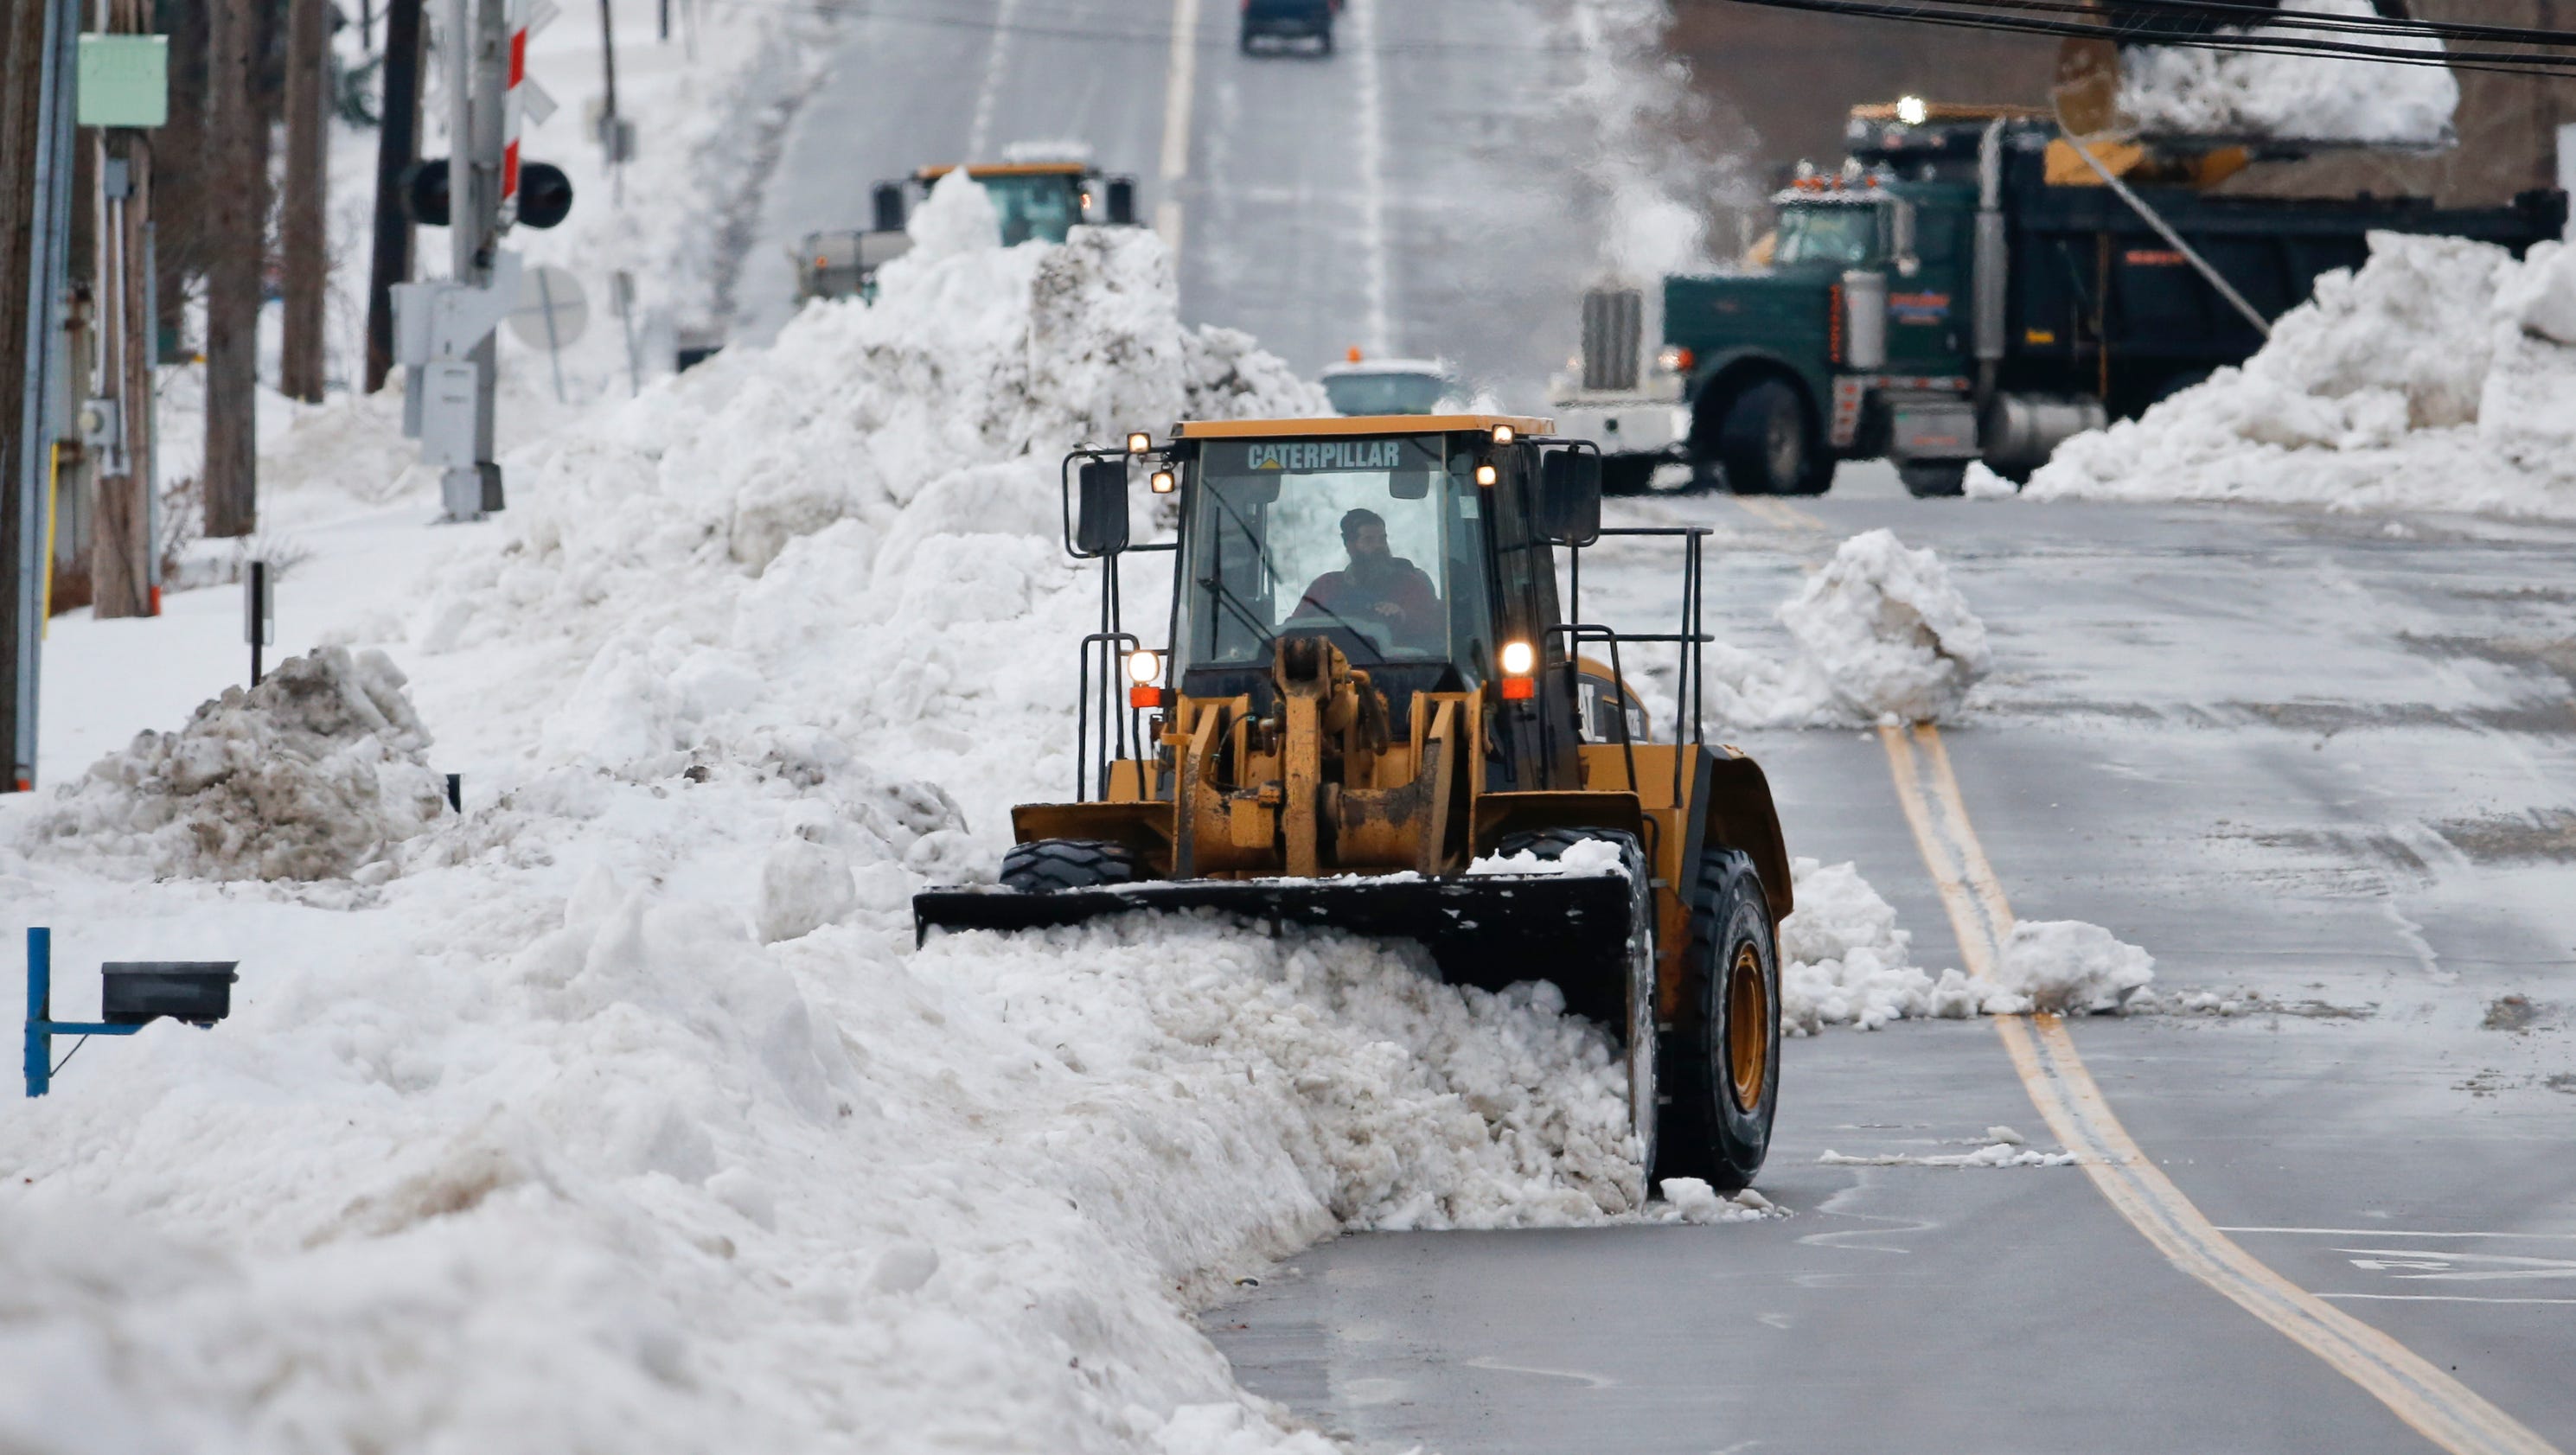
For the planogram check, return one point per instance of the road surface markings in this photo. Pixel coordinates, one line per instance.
(1372, 129)
(1180, 93)
(2441, 1408)
(2441, 1298)
(2401, 1233)
(1779, 514)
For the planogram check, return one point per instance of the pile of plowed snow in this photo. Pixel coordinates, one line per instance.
(316, 773)
(1843, 961)
(2440, 376)
(1882, 635)
(623, 1114)
(2194, 91)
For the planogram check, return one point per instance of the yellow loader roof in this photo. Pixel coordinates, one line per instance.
(1007, 169)
(1361, 424)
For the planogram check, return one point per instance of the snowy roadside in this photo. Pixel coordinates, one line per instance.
(618, 1109)
(2441, 375)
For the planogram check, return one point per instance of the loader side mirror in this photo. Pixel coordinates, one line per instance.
(1122, 202)
(887, 206)
(1100, 523)
(1569, 503)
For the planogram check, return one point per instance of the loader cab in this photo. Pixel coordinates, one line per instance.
(1382, 541)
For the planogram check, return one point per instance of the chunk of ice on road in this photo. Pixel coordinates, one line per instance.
(1993, 1154)
(1882, 635)
(1843, 961)
(2068, 966)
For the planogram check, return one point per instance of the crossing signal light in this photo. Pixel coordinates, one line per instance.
(545, 193)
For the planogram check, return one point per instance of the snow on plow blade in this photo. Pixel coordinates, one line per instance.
(1486, 930)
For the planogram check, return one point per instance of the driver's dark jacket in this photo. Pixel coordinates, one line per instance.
(1416, 621)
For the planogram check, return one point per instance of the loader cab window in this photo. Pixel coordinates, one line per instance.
(1041, 207)
(1839, 232)
(1373, 543)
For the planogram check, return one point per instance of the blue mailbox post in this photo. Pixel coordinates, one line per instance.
(132, 995)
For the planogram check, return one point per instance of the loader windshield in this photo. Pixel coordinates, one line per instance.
(1042, 207)
(1369, 542)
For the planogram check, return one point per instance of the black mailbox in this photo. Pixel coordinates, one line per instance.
(134, 991)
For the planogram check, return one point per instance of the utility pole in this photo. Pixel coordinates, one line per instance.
(121, 536)
(35, 226)
(234, 227)
(397, 147)
(612, 138)
(307, 263)
(23, 63)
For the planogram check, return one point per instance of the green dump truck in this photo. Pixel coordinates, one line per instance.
(1970, 286)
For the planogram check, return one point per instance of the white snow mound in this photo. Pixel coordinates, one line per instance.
(2066, 965)
(2441, 375)
(313, 774)
(2193, 91)
(1883, 637)
(1843, 961)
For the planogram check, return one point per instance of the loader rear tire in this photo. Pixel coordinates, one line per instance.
(1722, 1060)
(1048, 865)
(1638, 1041)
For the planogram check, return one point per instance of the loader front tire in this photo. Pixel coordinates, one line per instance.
(1637, 1037)
(1722, 1059)
(1048, 865)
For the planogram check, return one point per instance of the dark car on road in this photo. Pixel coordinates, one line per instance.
(1290, 20)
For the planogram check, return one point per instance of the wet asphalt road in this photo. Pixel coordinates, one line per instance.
(2323, 771)
(1407, 197)
(2324, 768)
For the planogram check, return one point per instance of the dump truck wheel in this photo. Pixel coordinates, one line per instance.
(1722, 1064)
(1052, 864)
(1764, 442)
(1638, 1035)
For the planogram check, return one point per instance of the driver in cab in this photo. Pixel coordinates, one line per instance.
(1377, 587)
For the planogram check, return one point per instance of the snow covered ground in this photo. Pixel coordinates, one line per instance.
(617, 1109)
(2441, 375)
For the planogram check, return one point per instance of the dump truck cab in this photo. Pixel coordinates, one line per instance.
(1375, 706)
(1033, 201)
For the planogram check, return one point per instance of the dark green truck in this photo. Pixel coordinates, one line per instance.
(1968, 287)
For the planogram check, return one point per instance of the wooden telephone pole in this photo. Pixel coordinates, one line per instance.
(121, 543)
(235, 238)
(307, 261)
(397, 147)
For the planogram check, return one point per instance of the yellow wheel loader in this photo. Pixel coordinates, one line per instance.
(1375, 712)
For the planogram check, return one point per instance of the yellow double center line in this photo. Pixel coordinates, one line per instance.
(2446, 1411)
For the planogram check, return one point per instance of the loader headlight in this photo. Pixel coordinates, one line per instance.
(1911, 110)
(1163, 481)
(1486, 474)
(1518, 658)
(1138, 442)
(1144, 666)
(1502, 434)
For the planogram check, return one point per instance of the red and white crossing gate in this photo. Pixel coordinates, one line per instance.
(522, 101)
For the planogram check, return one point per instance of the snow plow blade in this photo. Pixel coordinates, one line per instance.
(1486, 930)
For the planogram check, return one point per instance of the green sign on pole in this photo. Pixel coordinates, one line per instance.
(124, 80)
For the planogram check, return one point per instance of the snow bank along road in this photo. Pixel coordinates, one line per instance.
(2320, 765)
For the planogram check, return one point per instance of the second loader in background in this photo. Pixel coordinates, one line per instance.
(1375, 713)
(1036, 201)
